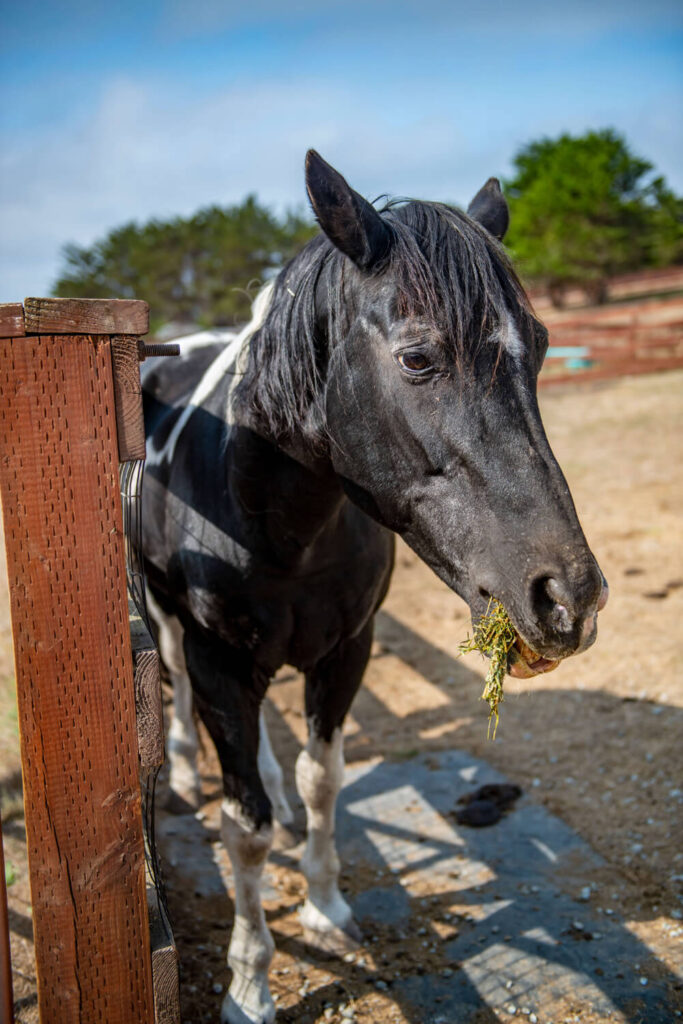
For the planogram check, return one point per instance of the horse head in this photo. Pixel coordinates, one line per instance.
(431, 414)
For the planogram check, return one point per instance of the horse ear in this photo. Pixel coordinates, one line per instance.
(348, 220)
(490, 209)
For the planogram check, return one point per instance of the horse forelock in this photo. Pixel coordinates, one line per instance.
(452, 273)
(449, 273)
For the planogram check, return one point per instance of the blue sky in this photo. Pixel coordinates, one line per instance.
(158, 108)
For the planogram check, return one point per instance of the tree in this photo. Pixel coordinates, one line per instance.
(583, 209)
(200, 269)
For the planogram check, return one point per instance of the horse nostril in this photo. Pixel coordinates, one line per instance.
(564, 606)
(550, 602)
(554, 590)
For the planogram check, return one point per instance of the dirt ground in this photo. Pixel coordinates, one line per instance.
(597, 742)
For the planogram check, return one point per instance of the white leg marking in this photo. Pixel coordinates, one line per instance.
(319, 774)
(183, 741)
(271, 775)
(251, 945)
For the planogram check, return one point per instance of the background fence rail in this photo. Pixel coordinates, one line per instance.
(585, 349)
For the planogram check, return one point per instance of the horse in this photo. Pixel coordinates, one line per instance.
(386, 384)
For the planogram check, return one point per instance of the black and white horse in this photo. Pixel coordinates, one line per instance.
(387, 382)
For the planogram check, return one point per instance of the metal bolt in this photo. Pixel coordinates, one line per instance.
(146, 351)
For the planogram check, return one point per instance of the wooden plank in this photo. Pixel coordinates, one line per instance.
(86, 316)
(67, 577)
(6, 1011)
(164, 964)
(620, 346)
(148, 707)
(624, 315)
(626, 369)
(148, 702)
(626, 325)
(617, 353)
(140, 640)
(130, 424)
(11, 320)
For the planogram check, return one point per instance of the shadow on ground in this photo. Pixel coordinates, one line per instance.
(460, 923)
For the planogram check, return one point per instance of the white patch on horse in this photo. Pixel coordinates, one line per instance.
(233, 353)
(271, 775)
(319, 775)
(202, 339)
(183, 741)
(251, 944)
(508, 336)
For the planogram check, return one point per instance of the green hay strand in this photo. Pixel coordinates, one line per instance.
(493, 635)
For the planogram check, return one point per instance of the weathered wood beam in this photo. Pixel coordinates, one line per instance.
(11, 320)
(6, 1014)
(164, 963)
(86, 316)
(130, 424)
(148, 703)
(631, 368)
(67, 573)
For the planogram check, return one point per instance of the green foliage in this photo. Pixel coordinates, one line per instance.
(199, 269)
(583, 209)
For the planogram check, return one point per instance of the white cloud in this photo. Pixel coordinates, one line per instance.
(145, 152)
(139, 157)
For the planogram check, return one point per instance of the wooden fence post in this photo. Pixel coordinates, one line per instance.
(6, 1016)
(59, 456)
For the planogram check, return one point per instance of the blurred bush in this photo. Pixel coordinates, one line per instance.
(197, 270)
(584, 209)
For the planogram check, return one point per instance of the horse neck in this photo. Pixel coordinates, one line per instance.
(286, 497)
(285, 488)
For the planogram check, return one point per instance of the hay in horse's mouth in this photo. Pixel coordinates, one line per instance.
(495, 636)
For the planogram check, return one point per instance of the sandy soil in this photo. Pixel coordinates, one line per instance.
(597, 742)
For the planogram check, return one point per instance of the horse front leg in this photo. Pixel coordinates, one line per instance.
(229, 707)
(330, 688)
(251, 944)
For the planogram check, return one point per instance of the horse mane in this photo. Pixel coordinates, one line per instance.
(450, 272)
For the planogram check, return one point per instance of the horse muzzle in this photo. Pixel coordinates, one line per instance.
(525, 662)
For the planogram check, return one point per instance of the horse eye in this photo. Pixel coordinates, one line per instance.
(414, 362)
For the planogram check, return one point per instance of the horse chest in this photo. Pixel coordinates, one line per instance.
(295, 617)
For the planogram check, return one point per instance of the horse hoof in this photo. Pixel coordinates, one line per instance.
(334, 942)
(186, 803)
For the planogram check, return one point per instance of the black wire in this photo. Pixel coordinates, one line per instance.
(130, 474)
